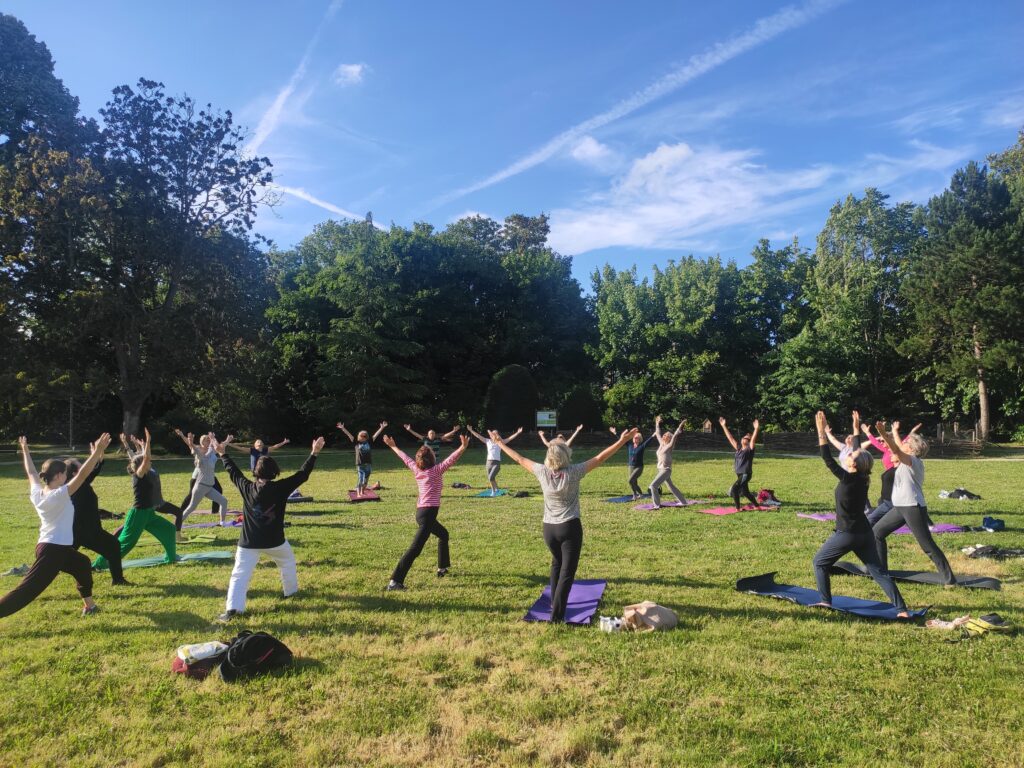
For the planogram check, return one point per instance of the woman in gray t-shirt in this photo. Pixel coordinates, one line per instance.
(563, 532)
(908, 502)
(204, 474)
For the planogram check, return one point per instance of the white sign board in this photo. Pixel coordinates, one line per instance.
(547, 419)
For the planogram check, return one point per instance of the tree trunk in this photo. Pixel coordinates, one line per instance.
(983, 412)
(131, 414)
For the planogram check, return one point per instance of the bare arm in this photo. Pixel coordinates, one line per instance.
(380, 430)
(540, 434)
(147, 457)
(282, 444)
(626, 435)
(240, 448)
(893, 441)
(514, 435)
(757, 431)
(728, 434)
(409, 429)
(832, 439)
(522, 461)
(657, 427)
(476, 434)
(30, 466)
(90, 464)
(856, 422)
(573, 437)
(678, 431)
(348, 434)
(451, 433)
(186, 439)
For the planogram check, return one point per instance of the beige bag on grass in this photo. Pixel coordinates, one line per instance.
(648, 616)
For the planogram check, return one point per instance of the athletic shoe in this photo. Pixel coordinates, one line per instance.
(394, 586)
(121, 583)
(442, 572)
(90, 610)
(18, 570)
(227, 616)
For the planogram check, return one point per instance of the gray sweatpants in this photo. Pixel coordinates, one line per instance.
(664, 476)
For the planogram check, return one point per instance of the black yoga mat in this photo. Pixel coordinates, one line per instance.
(845, 568)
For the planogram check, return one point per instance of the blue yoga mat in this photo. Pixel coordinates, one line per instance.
(232, 524)
(584, 595)
(765, 585)
(625, 499)
(149, 562)
(487, 494)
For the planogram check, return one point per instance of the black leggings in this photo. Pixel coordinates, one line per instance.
(634, 477)
(862, 545)
(916, 518)
(426, 519)
(740, 488)
(169, 509)
(106, 544)
(51, 559)
(565, 540)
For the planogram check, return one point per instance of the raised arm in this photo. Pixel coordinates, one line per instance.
(389, 441)
(514, 435)
(411, 431)
(856, 423)
(522, 461)
(476, 434)
(540, 434)
(573, 437)
(91, 463)
(380, 430)
(893, 441)
(293, 481)
(147, 456)
(624, 437)
(445, 465)
(234, 473)
(832, 438)
(451, 433)
(728, 434)
(348, 434)
(186, 439)
(657, 427)
(756, 432)
(282, 444)
(826, 455)
(30, 466)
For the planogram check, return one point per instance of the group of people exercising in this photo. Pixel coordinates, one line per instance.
(69, 512)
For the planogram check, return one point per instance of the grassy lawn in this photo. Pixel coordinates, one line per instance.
(447, 674)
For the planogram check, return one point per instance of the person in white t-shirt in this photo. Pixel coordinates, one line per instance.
(50, 492)
(493, 456)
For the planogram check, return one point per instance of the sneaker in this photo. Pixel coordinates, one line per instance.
(442, 572)
(394, 586)
(121, 583)
(227, 616)
(90, 610)
(18, 570)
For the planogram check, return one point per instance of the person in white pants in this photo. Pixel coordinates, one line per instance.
(263, 507)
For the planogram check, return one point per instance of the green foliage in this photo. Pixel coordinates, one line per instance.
(512, 399)
(581, 406)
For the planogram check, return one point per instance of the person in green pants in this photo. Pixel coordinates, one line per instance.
(142, 516)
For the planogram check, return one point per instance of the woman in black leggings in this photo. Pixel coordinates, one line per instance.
(88, 530)
(743, 463)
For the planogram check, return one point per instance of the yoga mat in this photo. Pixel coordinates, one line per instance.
(367, 496)
(765, 585)
(487, 494)
(232, 524)
(673, 503)
(299, 499)
(625, 499)
(732, 510)
(229, 513)
(902, 530)
(149, 562)
(846, 568)
(584, 595)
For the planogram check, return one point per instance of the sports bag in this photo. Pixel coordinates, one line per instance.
(253, 653)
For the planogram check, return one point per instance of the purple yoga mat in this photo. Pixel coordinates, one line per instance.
(649, 507)
(584, 596)
(232, 524)
(937, 528)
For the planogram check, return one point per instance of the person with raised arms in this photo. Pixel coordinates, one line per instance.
(88, 530)
(666, 444)
(50, 491)
(364, 454)
(635, 459)
(142, 516)
(560, 480)
(432, 440)
(204, 474)
(908, 502)
(567, 440)
(264, 502)
(134, 446)
(493, 455)
(429, 480)
(890, 462)
(850, 443)
(743, 462)
(852, 532)
(258, 449)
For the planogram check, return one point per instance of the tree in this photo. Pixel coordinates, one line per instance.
(964, 292)
(511, 400)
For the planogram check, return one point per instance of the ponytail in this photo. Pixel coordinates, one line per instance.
(51, 468)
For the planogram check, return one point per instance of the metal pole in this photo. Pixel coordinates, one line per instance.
(71, 423)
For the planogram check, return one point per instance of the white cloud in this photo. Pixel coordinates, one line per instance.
(589, 151)
(468, 214)
(763, 30)
(350, 74)
(1008, 113)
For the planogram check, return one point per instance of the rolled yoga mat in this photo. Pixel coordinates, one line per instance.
(846, 568)
(488, 495)
(584, 595)
(149, 562)
(367, 496)
(937, 528)
(765, 585)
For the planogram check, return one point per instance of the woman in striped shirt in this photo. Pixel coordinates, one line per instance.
(429, 478)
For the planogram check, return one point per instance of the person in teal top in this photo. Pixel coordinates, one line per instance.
(433, 440)
(364, 454)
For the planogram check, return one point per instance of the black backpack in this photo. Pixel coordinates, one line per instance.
(253, 653)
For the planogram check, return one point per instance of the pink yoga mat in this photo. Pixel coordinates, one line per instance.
(649, 507)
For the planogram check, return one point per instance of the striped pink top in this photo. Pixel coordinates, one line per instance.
(430, 481)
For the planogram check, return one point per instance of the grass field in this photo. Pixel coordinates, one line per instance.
(446, 674)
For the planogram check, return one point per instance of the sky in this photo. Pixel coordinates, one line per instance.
(646, 131)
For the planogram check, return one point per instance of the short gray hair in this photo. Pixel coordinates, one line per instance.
(916, 445)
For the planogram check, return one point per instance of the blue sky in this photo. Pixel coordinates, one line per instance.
(647, 131)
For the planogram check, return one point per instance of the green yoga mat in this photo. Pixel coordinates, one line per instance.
(150, 562)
